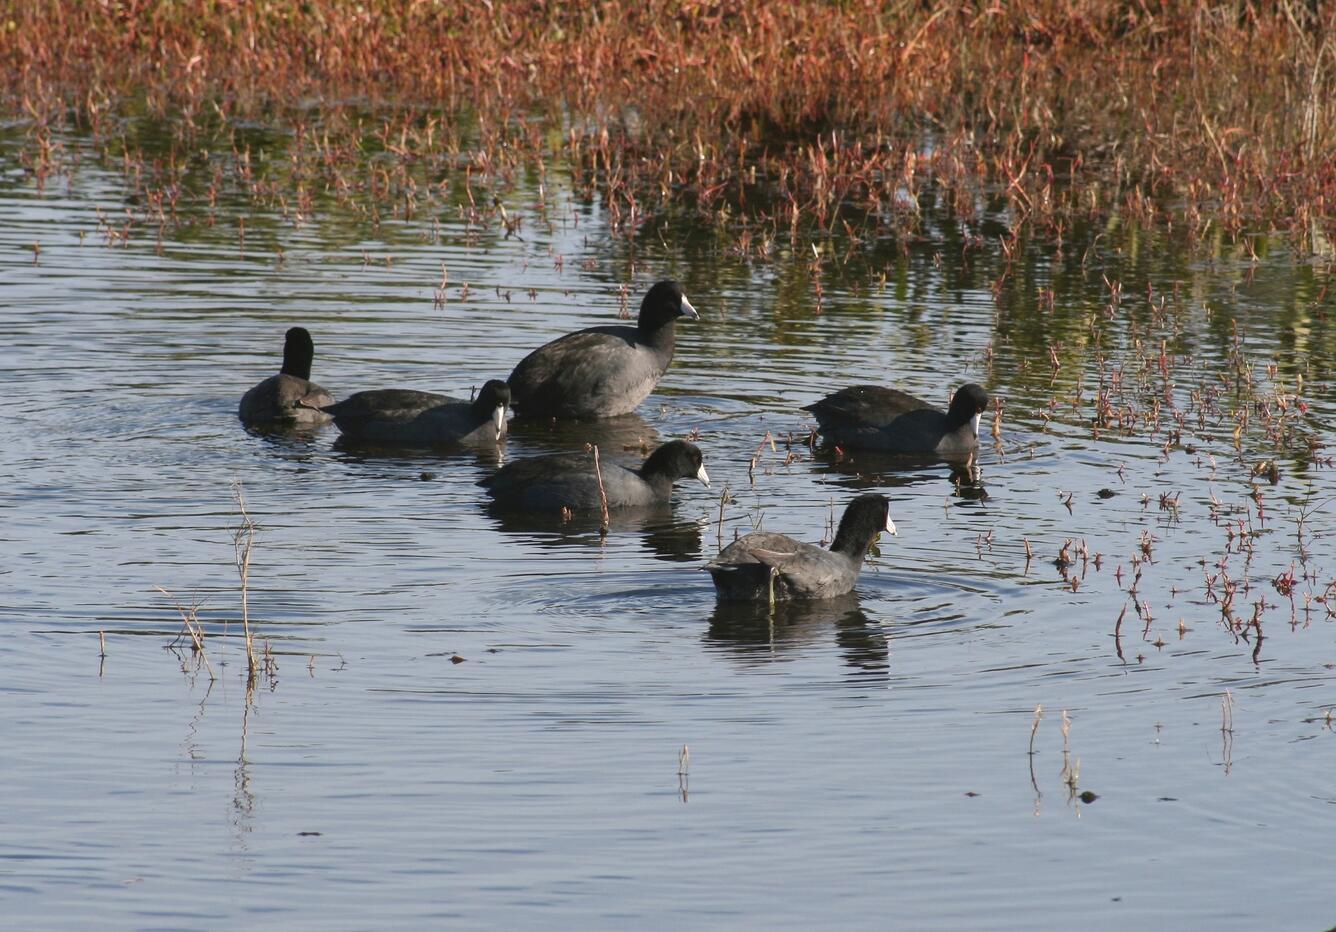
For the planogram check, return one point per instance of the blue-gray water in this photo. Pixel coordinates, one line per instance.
(864, 763)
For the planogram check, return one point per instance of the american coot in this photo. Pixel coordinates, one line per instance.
(867, 417)
(568, 480)
(400, 415)
(765, 566)
(289, 398)
(602, 371)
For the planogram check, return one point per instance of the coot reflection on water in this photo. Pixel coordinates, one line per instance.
(661, 533)
(627, 434)
(873, 469)
(756, 632)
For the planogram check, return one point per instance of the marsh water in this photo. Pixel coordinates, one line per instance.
(479, 721)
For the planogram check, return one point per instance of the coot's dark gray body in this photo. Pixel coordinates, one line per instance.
(602, 371)
(868, 417)
(568, 480)
(404, 416)
(289, 398)
(757, 565)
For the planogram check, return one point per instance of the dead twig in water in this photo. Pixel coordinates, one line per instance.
(191, 628)
(1034, 729)
(683, 765)
(1071, 772)
(724, 499)
(1227, 731)
(243, 544)
(756, 457)
(602, 494)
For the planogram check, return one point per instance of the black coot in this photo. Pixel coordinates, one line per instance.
(867, 417)
(602, 371)
(766, 566)
(568, 480)
(404, 416)
(289, 398)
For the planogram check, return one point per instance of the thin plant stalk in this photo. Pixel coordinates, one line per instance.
(602, 494)
(243, 543)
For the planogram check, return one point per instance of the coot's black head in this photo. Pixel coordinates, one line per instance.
(676, 459)
(298, 351)
(492, 402)
(663, 304)
(968, 405)
(865, 517)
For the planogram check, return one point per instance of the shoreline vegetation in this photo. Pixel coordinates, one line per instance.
(1217, 119)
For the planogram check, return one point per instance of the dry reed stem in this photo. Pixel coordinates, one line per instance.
(1071, 771)
(243, 543)
(807, 113)
(1034, 780)
(605, 520)
(723, 500)
(192, 628)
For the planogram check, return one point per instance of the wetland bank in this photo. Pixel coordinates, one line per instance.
(460, 717)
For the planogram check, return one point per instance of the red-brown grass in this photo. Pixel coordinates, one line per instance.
(811, 113)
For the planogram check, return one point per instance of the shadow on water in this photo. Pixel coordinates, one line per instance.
(757, 633)
(663, 536)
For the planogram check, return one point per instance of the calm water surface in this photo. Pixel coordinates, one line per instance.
(863, 762)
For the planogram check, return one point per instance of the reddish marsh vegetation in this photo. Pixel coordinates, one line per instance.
(834, 117)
